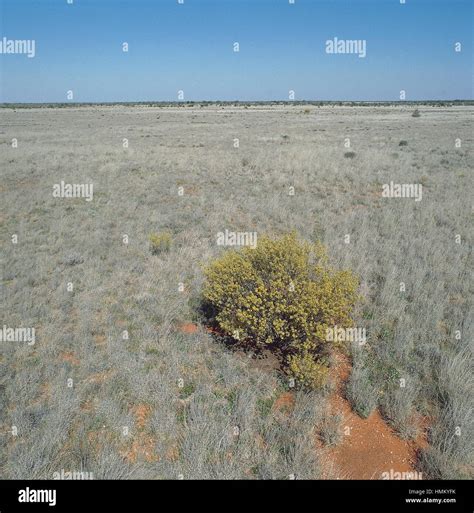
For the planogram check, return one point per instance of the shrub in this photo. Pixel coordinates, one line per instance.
(416, 114)
(349, 154)
(403, 143)
(308, 372)
(282, 295)
(160, 242)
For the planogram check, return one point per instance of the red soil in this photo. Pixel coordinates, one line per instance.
(284, 403)
(70, 357)
(371, 447)
(191, 328)
(142, 444)
(188, 328)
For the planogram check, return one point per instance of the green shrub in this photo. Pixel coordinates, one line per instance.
(160, 242)
(308, 372)
(282, 295)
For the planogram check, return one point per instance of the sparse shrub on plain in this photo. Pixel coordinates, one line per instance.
(416, 114)
(403, 143)
(282, 295)
(59, 429)
(349, 154)
(160, 242)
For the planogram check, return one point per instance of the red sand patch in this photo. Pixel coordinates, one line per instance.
(284, 403)
(188, 328)
(143, 444)
(69, 357)
(172, 454)
(142, 448)
(141, 413)
(372, 447)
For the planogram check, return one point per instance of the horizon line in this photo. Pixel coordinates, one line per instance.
(285, 102)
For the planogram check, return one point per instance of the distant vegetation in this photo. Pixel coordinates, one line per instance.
(246, 104)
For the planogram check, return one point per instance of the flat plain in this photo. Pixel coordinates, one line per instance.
(116, 387)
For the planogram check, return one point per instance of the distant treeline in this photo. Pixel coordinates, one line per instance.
(432, 103)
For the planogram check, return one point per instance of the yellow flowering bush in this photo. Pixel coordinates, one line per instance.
(283, 295)
(160, 242)
(307, 371)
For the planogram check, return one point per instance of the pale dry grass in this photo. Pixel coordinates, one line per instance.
(121, 287)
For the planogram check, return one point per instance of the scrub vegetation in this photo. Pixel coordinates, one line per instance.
(114, 385)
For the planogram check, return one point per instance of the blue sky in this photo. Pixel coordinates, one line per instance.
(189, 47)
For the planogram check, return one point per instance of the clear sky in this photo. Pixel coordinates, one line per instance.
(189, 47)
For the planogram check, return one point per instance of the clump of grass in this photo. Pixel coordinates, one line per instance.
(160, 242)
(307, 111)
(403, 143)
(349, 154)
(397, 408)
(73, 259)
(450, 454)
(416, 114)
(330, 430)
(361, 392)
(264, 406)
(283, 295)
(187, 390)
